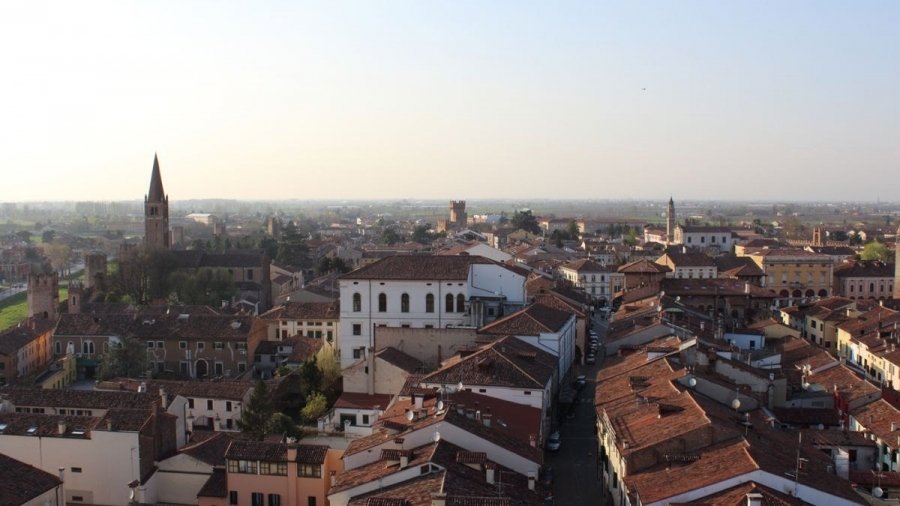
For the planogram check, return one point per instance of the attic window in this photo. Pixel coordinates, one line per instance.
(31, 430)
(3, 427)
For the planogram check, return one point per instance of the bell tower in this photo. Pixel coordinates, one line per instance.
(156, 212)
(897, 265)
(670, 222)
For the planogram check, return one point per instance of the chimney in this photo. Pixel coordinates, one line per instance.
(486, 419)
(61, 427)
(438, 499)
(333, 474)
(418, 399)
(747, 287)
(109, 424)
(163, 397)
(754, 499)
(489, 472)
(404, 461)
(893, 426)
(531, 480)
(190, 422)
(460, 409)
(143, 387)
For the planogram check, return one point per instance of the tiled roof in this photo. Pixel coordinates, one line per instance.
(864, 269)
(21, 483)
(420, 267)
(172, 325)
(737, 266)
(508, 362)
(46, 425)
(724, 287)
(226, 390)
(878, 417)
(644, 266)
(275, 452)
(82, 399)
(351, 400)
(305, 348)
(737, 496)
(556, 301)
(698, 229)
(210, 451)
(304, 311)
(399, 359)
(534, 320)
(844, 380)
(216, 485)
(14, 338)
(688, 259)
(585, 265)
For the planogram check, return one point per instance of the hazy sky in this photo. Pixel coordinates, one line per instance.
(420, 99)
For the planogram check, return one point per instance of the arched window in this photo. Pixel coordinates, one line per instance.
(87, 347)
(357, 302)
(382, 303)
(449, 303)
(460, 304)
(429, 303)
(404, 303)
(58, 347)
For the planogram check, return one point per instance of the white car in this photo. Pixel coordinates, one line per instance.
(553, 442)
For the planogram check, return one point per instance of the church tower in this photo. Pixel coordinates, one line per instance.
(156, 212)
(670, 222)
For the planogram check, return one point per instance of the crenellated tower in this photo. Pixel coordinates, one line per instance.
(156, 212)
(43, 295)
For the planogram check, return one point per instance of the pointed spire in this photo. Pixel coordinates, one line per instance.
(156, 193)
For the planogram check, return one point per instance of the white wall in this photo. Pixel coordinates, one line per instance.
(180, 478)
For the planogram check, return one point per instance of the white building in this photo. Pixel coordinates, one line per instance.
(424, 292)
(705, 238)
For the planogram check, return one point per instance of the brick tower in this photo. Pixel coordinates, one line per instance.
(670, 222)
(95, 270)
(43, 295)
(156, 212)
(458, 213)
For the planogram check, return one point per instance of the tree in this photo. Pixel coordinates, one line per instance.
(59, 254)
(390, 237)
(48, 236)
(208, 286)
(256, 419)
(526, 221)
(838, 235)
(310, 377)
(292, 248)
(126, 359)
(573, 230)
(876, 251)
(330, 365)
(316, 405)
(855, 239)
(423, 235)
(24, 236)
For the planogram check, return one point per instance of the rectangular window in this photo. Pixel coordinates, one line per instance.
(218, 345)
(219, 368)
(242, 367)
(149, 344)
(160, 344)
(76, 469)
(201, 345)
(232, 497)
(227, 405)
(183, 367)
(249, 274)
(357, 329)
(365, 419)
(309, 470)
(274, 500)
(311, 501)
(256, 499)
(356, 353)
(209, 404)
(190, 403)
(273, 468)
(182, 345)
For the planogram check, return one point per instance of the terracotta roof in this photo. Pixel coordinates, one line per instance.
(305, 348)
(733, 265)
(163, 326)
(14, 338)
(275, 452)
(21, 483)
(420, 267)
(210, 451)
(643, 266)
(863, 269)
(399, 359)
(534, 320)
(686, 259)
(725, 287)
(508, 362)
(47, 425)
(557, 301)
(83, 399)
(226, 390)
(848, 385)
(737, 496)
(877, 418)
(304, 311)
(586, 265)
(216, 485)
(352, 400)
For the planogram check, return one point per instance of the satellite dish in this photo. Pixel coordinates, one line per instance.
(131, 495)
(821, 426)
(436, 437)
(736, 404)
(693, 382)
(877, 492)
(409, 415)
(440, 405)
(459, 386)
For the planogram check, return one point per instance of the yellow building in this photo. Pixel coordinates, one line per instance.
(795, 274)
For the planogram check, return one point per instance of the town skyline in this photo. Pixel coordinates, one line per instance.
(389, 101)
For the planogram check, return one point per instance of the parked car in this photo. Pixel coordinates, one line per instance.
(546, 477)
(553, 442)
(591, 359)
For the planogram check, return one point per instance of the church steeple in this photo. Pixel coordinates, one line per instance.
(156, 193)
(156, 211)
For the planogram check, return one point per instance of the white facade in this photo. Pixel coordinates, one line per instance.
(560, 344)
(705, 237)
(180, 478)
(370, 303)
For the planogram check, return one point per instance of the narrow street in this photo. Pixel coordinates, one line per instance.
(575, 471)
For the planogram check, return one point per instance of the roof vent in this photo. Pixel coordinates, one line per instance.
(235, 324)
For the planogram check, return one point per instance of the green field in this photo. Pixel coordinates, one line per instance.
(14, 309)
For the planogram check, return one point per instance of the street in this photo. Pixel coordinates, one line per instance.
(575, 470)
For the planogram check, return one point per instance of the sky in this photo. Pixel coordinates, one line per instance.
(256, 100)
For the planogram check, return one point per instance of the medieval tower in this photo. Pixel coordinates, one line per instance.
(458, 216)
(670, 222)
(43, 295)
(156, 212)
(95, 270)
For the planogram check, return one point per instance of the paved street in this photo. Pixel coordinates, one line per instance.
(575, 464)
